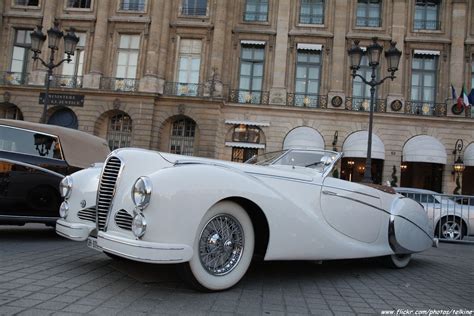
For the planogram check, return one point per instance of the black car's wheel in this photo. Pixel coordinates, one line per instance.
(223, 248)
(397, 261)
(450, 228)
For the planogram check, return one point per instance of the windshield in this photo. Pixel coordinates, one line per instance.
(316, 159)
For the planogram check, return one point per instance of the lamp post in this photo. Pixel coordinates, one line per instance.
(374, 51)
(458, 167)
(54, 37)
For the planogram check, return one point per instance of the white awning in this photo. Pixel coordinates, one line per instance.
(427, 52)
(309, 46)
(424, 148)
(303, 138)
(249, 42)
(250, 123)
(245, 145)
(355, 146)
(469, 155)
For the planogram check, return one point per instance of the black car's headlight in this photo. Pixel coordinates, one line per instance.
(65, 187)
(141, 192)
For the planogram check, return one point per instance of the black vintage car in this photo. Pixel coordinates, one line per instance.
(33, 160)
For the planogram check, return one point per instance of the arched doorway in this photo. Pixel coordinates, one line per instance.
(303, 137)
(119, 131)
(64, 117)
(424, 158)
(355, 156)
(10, 111)
(183, 132)
(468, 174)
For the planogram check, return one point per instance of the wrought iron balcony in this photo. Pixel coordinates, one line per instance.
(363, 104)
(184, 89)
(425, 108)
(306, 100)
(13, 78)
(66, 81)
(251, 97)
(119, 84)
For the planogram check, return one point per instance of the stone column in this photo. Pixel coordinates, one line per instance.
(149, 82)
(339, 63)
(278, 90)
(38, 72)
(164, 44)
(399, 26)
(457, 66)
(92, 79)
(214, 80)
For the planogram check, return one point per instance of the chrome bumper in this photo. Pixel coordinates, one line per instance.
(73, 231)
(144, 251)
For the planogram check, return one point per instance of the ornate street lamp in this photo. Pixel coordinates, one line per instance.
(374, 51)
(458, 167)
(54, 38)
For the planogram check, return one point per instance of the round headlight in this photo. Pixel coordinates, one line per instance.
(64, 209)
(138, 225)
(141, 192)
(65, 187)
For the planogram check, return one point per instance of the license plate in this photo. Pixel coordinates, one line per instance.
(92, 243)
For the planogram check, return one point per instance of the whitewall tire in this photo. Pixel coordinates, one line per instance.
(222, 250)
(397, 261)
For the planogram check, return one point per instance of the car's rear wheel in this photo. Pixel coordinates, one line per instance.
(223, 248)
(397, 261)
(450, 229)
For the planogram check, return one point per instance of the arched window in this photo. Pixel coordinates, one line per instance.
(10, 111)
(64, 117)
(119, 132)
(182, 137)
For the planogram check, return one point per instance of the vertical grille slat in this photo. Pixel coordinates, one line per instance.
(106, 192)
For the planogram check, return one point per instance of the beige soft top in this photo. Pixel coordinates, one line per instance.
(80, 149)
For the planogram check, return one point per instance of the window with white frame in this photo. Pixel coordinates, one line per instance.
(423, 82)
(307, 77)
(368, 13)
(21, 57)
(72, 71)
(26, 3)
(256, 10)
(427, 15)
(189, 64)
(194, 7)
(127, 59)
(132, 5)
(312, 12)
(79, 4)
(182, 136)
(119, 131)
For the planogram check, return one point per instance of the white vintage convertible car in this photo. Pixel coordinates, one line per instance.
(212, 217)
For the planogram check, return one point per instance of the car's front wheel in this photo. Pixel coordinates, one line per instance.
(223, 248)
(397, 261)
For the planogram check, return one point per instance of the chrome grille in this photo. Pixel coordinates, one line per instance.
(88, 214)
(123, 220)
(107, 190)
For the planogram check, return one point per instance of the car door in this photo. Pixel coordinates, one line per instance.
(352, 209)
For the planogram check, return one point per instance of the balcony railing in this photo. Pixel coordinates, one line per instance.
(427, 25)
(13, 78)
(66, 81)
(425, 108)
(119, 84)
(363, 104)
(251, 97)
(306, 100)
(184, 89)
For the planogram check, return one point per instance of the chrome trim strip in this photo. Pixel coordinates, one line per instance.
(33, 166)
(121, 254)
(352, 191)
(355, 200)
(26, 217)
(281, 177)
(68, 236)
(135, 245)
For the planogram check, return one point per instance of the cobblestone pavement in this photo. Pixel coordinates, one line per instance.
(44, 274)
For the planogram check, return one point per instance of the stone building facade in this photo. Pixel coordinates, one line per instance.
(228, 79)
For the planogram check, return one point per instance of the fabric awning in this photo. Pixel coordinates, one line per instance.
(469, 155)
(250, 42)
(424, 148)
(427, 52)
(355, 146)
(309, 46)
(303, 138)
(250, 123)
(245, 145)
